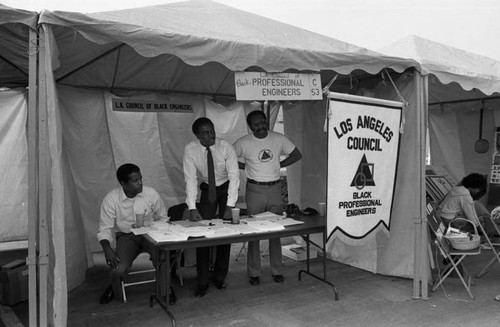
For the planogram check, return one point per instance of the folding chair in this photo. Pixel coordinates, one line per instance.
(150, 278)
(244, 248)
(453, 257)
(148, 274)
(492, 245)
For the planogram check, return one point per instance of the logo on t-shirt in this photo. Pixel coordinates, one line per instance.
(265, 155)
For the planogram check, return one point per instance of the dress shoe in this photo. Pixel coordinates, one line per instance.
(278, 278)
(201, 290)
(172, 298)
(219, 284)
(254, 280)
(107, 296)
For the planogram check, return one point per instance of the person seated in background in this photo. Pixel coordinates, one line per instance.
(118, 216)
(459, 202)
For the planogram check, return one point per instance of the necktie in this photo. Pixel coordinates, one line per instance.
(211, 177)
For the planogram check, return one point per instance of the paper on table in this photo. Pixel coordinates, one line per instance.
(288, 222)
(266, 215)
(199, 231)
(244, 229)
(265, 225)
(140, 230)
(161, 224)
(162, 236)
(188, 223)
(220, 231)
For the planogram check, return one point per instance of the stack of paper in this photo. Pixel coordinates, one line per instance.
(288, 222)
(267, 216)
(163, 236)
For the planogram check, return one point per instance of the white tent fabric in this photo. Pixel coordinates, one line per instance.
(449, 64)
(250, 41)
(13, 166)
(14, 68)
(454, 76)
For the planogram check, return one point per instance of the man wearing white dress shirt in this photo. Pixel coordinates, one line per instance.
(198, 155)
(118, 211)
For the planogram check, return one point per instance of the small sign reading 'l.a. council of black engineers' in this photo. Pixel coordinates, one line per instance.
(135, 105)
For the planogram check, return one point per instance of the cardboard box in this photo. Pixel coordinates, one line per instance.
(298, 252)
(14, 285)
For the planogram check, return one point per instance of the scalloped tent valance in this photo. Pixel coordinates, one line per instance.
(183, 36)
(449, 64)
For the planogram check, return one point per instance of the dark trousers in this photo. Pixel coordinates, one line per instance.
(208, 211)
(128, 247)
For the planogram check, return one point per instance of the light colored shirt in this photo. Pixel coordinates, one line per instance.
(262, 156)
(225, 168)
(118, 211)
(458, 203)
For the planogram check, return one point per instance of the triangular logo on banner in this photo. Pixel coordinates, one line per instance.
(363, 176)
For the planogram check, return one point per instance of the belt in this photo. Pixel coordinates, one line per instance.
(263, 183)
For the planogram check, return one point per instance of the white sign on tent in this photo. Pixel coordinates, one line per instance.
(363, 144)
(277, 86)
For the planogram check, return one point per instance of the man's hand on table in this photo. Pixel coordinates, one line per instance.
(227, 213)
(194, 215)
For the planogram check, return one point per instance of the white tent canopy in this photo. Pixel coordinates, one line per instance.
(449, 64)
(460, 84)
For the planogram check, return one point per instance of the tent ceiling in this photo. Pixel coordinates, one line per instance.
(186, 44)
(14, 38)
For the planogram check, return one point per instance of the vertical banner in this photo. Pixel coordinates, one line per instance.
(363, 146)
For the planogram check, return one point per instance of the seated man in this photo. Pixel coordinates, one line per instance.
(117, 217)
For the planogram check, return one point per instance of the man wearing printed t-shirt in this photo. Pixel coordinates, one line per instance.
(261, 152)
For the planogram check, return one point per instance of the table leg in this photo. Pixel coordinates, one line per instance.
(157, 296)
(308, 272)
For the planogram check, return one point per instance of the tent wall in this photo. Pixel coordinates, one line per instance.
(96, 140)
(390, 255)
(453, 131)
(13, 165)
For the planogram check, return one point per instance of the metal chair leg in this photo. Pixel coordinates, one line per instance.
(243, 247)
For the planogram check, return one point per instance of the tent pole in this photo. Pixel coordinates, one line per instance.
(424, 255)
(43, 187)
(420, 284)
(32, 175)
